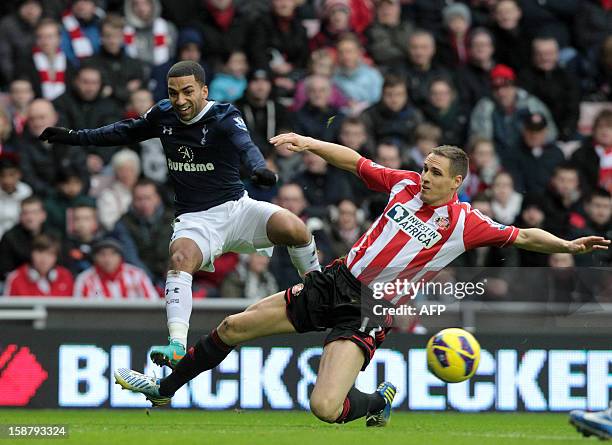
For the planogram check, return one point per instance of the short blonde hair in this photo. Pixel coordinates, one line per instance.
(126, 156)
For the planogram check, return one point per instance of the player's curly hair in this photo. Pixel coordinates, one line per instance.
(187, 68)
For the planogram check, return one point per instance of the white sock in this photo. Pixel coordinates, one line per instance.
(178, 304)
(305, 258)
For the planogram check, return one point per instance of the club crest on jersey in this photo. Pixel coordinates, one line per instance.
(442, 222)
(186, 153)
(167, 130)
(204, 133)
(410, 224)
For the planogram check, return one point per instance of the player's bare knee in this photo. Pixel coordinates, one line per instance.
(298, 233)
(225, 327)
(285, 228)
(324, 408)
(230, 329)
(179, 260)
(176, 260)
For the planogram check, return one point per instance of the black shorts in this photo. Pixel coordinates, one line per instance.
(333, 299)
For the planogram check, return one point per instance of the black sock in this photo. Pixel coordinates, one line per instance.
(357, 404)
(207, 353)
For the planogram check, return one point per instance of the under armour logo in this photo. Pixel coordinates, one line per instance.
(174, 290)
(204, 132)
(167, 130)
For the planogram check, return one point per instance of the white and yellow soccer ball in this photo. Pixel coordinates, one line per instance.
(453, 355)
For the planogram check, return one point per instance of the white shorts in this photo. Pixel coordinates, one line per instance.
(234, 226)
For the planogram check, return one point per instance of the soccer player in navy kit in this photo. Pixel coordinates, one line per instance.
(205, 143)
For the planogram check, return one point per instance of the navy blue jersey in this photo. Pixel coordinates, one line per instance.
(204, 155)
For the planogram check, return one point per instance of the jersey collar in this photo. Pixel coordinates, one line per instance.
(200, 115)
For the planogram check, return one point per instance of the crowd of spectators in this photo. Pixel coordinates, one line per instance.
(524, 87)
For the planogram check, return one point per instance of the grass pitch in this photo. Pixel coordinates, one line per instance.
(176, 427)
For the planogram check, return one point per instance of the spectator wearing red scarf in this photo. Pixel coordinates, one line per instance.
(453, 47)
(48, 68)
(147, 36)
(111, 278)
(594, 157)
(339, 17)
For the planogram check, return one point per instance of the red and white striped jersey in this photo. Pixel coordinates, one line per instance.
(129, 282)
(411, 240)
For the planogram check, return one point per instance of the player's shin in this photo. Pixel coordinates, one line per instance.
(304, 258)
(357, 404)
(207, 353)
(178, 304)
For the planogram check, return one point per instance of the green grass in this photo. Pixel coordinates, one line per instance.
(175, 427)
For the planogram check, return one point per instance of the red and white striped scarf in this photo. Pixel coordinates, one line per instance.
(19, 121)
(161, 48)
(81, 45)
(128, 282)
(605, 167)
(52, 86)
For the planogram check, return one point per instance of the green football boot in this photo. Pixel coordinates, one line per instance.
(168, 355)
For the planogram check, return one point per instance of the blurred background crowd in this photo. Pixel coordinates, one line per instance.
(524, 86)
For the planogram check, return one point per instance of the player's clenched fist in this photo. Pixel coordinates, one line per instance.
(59, 135)
(264, 177)
(293, 142)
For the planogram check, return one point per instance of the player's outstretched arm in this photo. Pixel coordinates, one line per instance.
(337, 155)
(124, 132)
(539, 240)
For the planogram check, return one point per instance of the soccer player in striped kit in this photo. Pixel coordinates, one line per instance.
(422, 229)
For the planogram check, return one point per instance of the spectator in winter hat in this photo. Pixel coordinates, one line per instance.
(453, 47)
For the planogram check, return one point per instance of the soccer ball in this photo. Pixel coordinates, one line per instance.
(453, 355)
